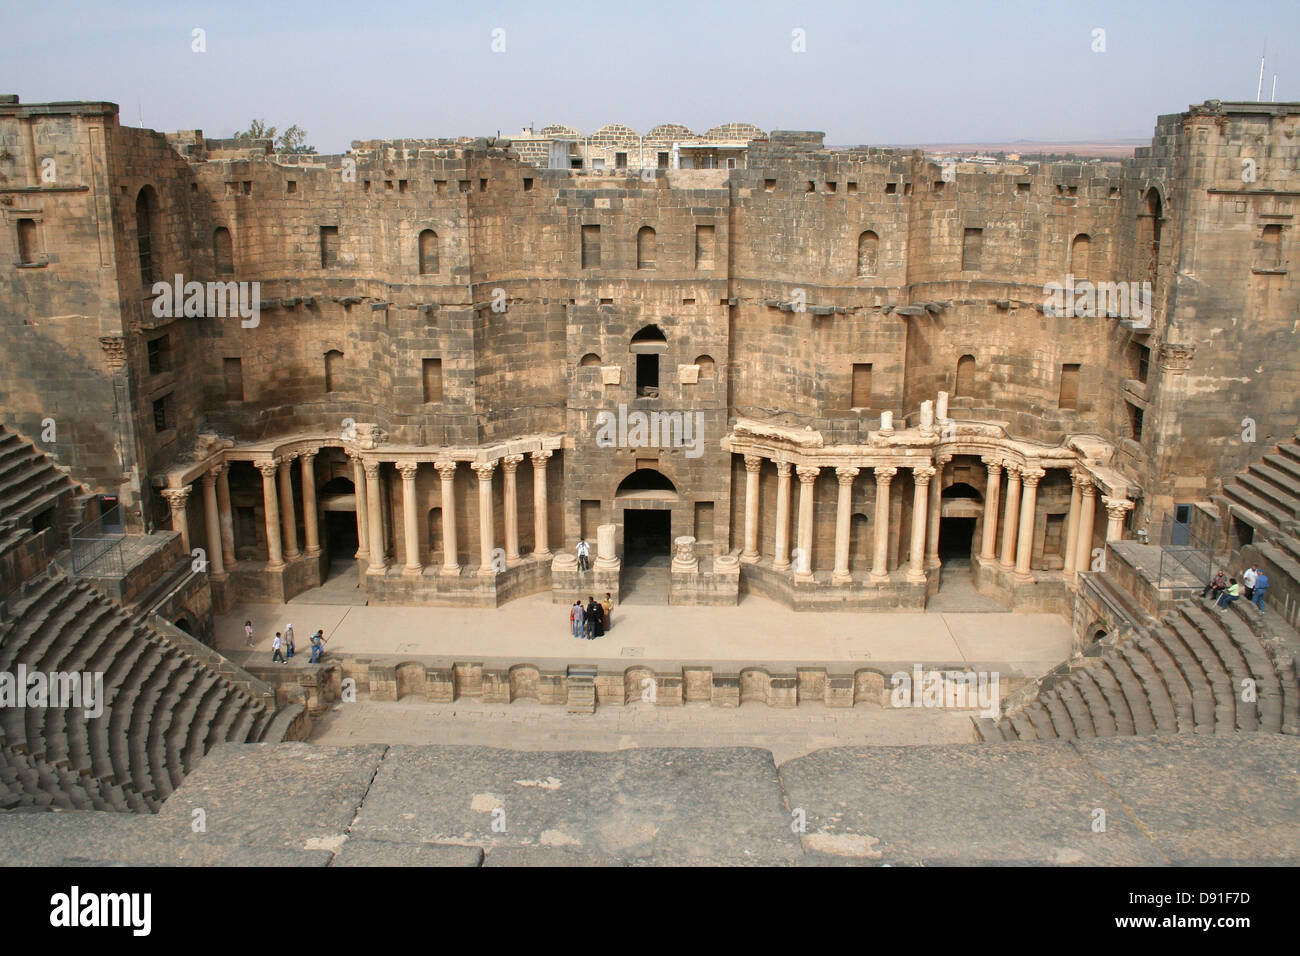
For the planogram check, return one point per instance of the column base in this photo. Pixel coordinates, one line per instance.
(1022, 577)
(450, 571)
(486, 572)
(276, 567)
(806, 577)
(312, 552)
(377, 569)
(932, 563)
(841, 577)
(875, 578)
(291, 556)
(780, 565)
(749, 557)
(545, 554)
(914, 577)
(413, 572)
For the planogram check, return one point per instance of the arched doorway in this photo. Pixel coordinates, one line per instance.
(645, 498)
(961, 506)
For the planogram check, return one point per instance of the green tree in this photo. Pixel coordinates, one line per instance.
(292, 140)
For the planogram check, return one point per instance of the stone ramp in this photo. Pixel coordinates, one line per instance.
(1167, 800)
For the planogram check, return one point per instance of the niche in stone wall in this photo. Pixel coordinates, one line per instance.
(965, 385)
(428, 250)
(972, 249)
(646, 248)
(868, 251)
(223, 252)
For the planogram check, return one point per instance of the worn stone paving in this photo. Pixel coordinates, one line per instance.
(1186, 800)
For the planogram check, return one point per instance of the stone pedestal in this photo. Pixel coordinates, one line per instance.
(606, 557)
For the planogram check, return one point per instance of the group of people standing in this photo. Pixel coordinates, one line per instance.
(590, 622)
(1225, 590)
(282, 648)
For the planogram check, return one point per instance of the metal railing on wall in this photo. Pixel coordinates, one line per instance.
(96, 546)
(1186, 560)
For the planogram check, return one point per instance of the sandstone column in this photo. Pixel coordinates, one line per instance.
(781, 561)
(310, 517)
(1072, 521)
(541, 548)
(509, 465)
(753, 465)
(1087, 515)
(375, 512)
(225, 515)
(936, 508)
(1028, 505)
(410, 518)
(486, 533)
(1116, 508)
(362, 509)
(803, 567)
(843, 524)
(178, 499)
(450, 556)
(992, 491)
(880, 559)
(271, 505)
(921, 481)
(1010, 518)
(288, 519)
(212, 526)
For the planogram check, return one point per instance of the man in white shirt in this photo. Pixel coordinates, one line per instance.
(1248, 578)
(584, 551)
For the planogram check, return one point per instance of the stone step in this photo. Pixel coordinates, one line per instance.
(1138, 704)
(1217, 676)
(1041, 721)
(1211, 627)
(1193, 676)
(1077, 708)
(1272, 486)
(1153, 690)
(1115, 701)
(1099, 713)
(1172, 678)
(1059, 716)
(1022, 728)
(189, 750)
(1283, 463)
(1290, 449)
(223, 720)
(1268, 692)
(986, 729)
(1254, 505)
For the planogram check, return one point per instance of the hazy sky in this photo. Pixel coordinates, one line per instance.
(879, 73)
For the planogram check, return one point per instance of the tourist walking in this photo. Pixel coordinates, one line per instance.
(576, 616)
(276, 656)
(1261, 585)
(606, 606)
(584, 552)
(288, 640)
(1231, 594)
(1248, 578)
(317, 646)
(248, 632)
(1215, 587)
(595, 618)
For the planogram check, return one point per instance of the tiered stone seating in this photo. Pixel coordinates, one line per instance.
(164, 708)
(1189, 675)
(29, 480)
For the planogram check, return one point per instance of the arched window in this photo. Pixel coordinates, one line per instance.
(28, 247)
(868, 250)
(223, 254)
(1080, 250)
(146, 215)
(965, 376)
(1149, 234)
(333, 369)
(648, 345)
(428, 253)
(646, 248)
(1270, 253)
(706, 364)
(590, 359)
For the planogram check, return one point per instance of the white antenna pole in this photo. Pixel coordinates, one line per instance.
(1259, 89)
(1272, 97)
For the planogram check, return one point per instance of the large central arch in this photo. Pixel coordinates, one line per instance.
(645, 500)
